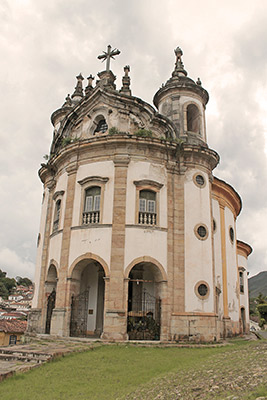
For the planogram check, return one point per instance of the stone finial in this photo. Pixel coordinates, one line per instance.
(78, 92)
(126, 81)
(89, 86)
(179, 66)
(68, 102)
(198, 82)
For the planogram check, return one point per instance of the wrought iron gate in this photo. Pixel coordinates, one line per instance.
(79, 312)
(143, 319)
(50, 307)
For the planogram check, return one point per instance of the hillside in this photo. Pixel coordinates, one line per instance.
(258, 284)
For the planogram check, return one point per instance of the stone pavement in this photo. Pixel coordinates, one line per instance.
(36, 350)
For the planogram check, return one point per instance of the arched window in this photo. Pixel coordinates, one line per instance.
(147, 207)
(56, 216)
(91, 211)
(193, 118)
(102, 126)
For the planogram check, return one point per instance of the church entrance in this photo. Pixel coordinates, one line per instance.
(50, 288)
(87, 300)
(144, 303)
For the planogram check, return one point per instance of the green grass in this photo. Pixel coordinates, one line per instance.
(110, 372)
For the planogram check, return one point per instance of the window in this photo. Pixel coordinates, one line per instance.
(12, 339)
(193, 118)
(231, 234)
(147, 207)
(102, 126)
(56, 216)
(202, 290)
(199, 180)
(201, 231)
(241, 281)
(91, 211)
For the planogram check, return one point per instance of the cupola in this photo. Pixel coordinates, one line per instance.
(183, 101)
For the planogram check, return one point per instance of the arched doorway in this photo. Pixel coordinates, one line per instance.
(51, 286)
(87, 299)
(144, 302)
(243, 319)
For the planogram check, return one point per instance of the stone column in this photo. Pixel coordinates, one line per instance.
(59, 321)
(226, 319)
(176, 276)
(42, 301)
(115, 323)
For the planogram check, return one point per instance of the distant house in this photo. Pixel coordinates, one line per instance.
(11, 331)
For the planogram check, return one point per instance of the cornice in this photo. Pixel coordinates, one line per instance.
(243, 249)
(226, 196)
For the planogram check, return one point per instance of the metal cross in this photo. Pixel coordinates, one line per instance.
(108, 55)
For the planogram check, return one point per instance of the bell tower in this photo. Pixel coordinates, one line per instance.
(183, 101)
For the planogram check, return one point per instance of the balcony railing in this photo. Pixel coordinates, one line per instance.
(146, 218)
(91, 217)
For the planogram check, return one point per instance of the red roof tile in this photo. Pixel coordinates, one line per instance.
(13, 326)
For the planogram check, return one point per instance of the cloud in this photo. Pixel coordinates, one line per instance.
(14, 265)
(45, 44)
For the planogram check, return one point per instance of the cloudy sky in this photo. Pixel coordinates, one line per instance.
(44, 44)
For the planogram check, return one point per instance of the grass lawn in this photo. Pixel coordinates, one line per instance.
(129, 372)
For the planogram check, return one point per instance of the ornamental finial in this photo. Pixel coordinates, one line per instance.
(179, 66)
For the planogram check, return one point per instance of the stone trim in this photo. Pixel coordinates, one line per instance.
(58, 193)
(147, 227)
(148, 183)
(55, 233)
(93, 180)
(90, 226)
(196, 290)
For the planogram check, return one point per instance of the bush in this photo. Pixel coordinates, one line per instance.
(143, 133)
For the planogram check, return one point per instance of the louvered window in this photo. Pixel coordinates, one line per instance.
(91, 213)
(56, 216)
(147, 207)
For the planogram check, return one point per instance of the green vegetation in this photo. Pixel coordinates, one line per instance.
(143, 133)
(129, 372)
(7, 285)
(113, 131)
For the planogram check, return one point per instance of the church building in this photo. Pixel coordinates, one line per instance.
(137, 237)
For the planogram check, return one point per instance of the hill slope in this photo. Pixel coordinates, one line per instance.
(257, 284)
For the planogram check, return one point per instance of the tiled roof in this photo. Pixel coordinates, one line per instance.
(13, 326)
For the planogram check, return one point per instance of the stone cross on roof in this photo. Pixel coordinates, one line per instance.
(108, 55)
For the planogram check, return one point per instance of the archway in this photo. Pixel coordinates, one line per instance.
(144, 302)
(87, 299)
(51, 286)
(193, 118)
(243, 319)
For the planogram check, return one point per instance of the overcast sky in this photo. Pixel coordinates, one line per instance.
(44, 44)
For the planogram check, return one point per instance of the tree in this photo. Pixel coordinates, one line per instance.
(261, 299)
(23, 281)
(3, 290)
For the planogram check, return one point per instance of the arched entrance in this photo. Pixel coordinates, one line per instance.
(144, 302)
(243, 319)
(51, 286)
(87, 299)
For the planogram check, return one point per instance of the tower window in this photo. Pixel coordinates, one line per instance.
(101, 127)
(147, 207)
(91, 212)
(56, 216)
(193, 118)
